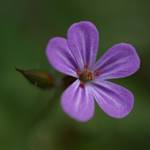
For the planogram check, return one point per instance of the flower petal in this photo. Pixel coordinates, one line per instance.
(119, 61)
(60, 57)
(83, 41)
(77, 102)
(115, 100)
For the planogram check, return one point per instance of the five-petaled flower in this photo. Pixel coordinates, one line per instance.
(76, 56)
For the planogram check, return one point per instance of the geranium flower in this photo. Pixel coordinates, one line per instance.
(76, 56)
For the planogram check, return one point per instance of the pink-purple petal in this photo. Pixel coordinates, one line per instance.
(77, 102)
(115, 100)
(60, 57)
(83, 39)
(119, 61)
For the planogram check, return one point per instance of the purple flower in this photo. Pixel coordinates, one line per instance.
(76, 56)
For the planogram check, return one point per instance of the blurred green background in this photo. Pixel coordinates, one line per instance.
(26, 123)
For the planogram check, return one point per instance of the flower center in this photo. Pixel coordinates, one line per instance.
(85, 76)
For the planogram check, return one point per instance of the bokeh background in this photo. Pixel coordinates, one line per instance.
(29, 120)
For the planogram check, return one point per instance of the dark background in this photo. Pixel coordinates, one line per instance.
(25, 121)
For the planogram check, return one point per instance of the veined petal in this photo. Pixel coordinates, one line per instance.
(77, 102)
(60, 57)
(115, 100)
(119, 61)
(83, 39)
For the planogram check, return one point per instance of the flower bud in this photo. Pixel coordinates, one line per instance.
(43, 80)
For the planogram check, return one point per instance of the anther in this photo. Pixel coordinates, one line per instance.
(97, 73)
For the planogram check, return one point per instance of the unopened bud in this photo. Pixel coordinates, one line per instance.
(40, 79)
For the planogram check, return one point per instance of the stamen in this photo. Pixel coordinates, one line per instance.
(86, 67)
(81, 84)
(89, 76)
(78, 72)
(97, 73)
